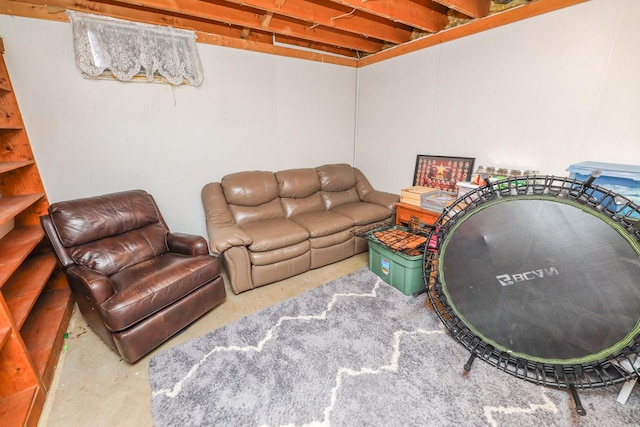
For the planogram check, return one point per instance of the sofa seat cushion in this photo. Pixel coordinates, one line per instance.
(274, 233)
(322, 223)
(363, 213)
(280, 254)
(152, 285)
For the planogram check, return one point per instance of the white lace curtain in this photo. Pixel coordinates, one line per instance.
(129, 48)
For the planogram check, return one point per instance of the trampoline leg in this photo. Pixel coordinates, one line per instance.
(467, 366)
(579, 408)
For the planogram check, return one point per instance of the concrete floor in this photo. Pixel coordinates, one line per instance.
(93, 386)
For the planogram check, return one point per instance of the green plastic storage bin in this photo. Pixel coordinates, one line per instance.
(400, 270)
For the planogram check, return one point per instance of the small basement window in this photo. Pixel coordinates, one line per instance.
(106, 47)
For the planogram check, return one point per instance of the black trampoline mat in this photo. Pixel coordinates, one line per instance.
(543, 279)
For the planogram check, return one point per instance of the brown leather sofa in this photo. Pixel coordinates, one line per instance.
(269, 226)
(136, 283)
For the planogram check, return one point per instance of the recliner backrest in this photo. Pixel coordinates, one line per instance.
(338, 184)
(111, 232)
(252, 196)
(299, 191)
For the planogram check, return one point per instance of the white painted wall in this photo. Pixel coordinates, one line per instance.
(542, 94)
(254, 111)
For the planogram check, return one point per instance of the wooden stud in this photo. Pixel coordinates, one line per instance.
(471, 8)
(266, 20)
(427, 16)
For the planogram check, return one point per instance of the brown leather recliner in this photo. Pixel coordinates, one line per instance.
(136, 283)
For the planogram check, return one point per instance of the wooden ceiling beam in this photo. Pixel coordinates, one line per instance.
(518, 13)
(224, 11)
(335, 16)
(316, 46)
(229, 36)
(422, 14)
(471, 8)
(55, 10)
(260, 35)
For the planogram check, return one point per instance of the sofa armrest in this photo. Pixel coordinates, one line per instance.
(367, 193)
(225, 236)
(382, 198)
(187, 244)
(93, 286)
(222, 229)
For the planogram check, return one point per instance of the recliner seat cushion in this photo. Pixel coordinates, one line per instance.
(152, 285)
(362, 213)
(274, 233)
(323, 223)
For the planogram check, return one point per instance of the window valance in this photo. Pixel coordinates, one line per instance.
(129, 48)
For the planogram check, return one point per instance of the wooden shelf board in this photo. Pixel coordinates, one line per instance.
(25, 286)
(15, 247)
(5, 333)
(9, 166)
(15, 409)
(35, 300)
(7, 125)
(10, 206)
(43, 332)
(5, 86)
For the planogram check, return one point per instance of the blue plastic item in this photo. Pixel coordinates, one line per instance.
(619, 178)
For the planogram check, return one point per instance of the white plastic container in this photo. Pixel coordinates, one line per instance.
(465, 187)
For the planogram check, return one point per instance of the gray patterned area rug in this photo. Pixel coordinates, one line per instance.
(354, 352)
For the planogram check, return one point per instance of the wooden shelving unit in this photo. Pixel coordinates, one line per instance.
(35, 300)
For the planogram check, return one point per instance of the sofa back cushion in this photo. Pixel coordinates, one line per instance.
(111, 232)
(338, 184)
(252, 196)
(299, 191)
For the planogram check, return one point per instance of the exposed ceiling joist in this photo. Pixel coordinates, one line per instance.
(360, 32)
(246, 17)
(471, 8)
(424, 15)
(338, 17)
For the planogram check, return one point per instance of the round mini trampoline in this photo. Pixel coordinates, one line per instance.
(540, 277)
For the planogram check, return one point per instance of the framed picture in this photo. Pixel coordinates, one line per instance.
(442, 172)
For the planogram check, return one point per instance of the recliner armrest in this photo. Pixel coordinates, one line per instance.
(187, 244)
(367, 193)
(222, 230)
(225, 236)
(93, 286)
(382, 198)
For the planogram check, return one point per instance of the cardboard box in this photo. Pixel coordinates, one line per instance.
(411, 195)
